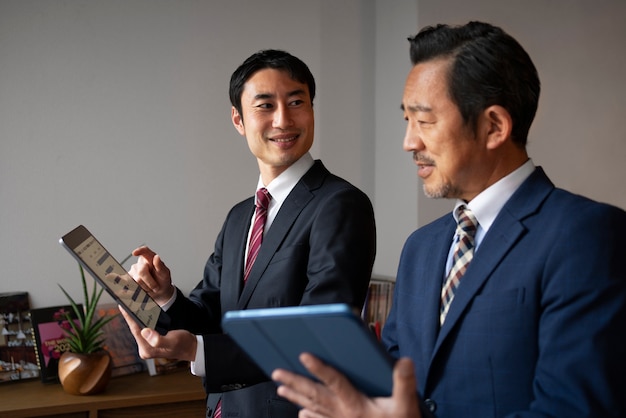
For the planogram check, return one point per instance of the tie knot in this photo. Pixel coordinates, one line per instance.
(467, 222)
(263, 198)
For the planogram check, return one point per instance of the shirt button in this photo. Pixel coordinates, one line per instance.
(430, 404)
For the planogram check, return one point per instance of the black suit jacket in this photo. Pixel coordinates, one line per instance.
(319, 249)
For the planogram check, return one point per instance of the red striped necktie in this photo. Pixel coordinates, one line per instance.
(263, 198)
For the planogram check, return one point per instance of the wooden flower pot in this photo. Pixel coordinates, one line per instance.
(85, 374)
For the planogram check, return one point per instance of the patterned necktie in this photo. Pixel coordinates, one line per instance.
(263, 198)
(463, 254)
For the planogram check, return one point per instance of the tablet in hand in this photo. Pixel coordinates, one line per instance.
(114, 279)
(275, 337)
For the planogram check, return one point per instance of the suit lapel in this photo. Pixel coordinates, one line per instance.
(433, 276)
(494, 247)
(299, 197)
(231, 289)
(502, 236)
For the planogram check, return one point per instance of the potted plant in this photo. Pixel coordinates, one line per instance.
(86, 368)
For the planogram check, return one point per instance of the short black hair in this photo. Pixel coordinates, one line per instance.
(489, 67)
(269, 58)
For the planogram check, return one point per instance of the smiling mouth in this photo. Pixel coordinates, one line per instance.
(284, 138)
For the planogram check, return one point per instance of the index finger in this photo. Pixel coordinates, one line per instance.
(135, 329)
(145, 252)
(323, 372)
(333, 379)
(297, 388)
(144, 348)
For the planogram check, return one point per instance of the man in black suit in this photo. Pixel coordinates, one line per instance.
(318, 245)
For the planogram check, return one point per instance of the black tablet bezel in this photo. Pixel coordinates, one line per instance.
(73, 239)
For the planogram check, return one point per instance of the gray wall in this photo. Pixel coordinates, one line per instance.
(579, 136)
(115, 114)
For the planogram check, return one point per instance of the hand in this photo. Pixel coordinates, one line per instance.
(336, 397)
(176, 344)
(152, 275)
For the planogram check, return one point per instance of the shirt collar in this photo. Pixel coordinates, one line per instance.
(282, 185)
(490, 201)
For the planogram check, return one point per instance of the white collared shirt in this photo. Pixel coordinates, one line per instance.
(279, 189)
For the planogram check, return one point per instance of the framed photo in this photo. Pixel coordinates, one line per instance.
(17, 348)
(50, 340)
(119, 342)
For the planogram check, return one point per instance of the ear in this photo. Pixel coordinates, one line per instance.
(498, 126)
(237, 121)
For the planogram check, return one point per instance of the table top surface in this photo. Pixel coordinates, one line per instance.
(136, 389)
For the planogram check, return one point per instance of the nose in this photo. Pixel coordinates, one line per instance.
(282, 116)
(412, 141)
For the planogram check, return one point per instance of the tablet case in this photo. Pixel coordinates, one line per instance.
(107, 271)
(275, 337)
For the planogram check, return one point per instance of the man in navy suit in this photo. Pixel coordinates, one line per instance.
(536, 326)
(318, 246)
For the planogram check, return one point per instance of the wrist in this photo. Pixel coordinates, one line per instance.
(165, 301)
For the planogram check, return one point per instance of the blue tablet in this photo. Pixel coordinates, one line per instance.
(275, 337)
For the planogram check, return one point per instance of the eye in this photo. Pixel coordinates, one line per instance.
(264, 106)
(296, 102)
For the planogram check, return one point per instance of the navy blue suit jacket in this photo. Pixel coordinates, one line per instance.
(537, 327)
(319, 249)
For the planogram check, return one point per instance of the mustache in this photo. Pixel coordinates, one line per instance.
(420, 158)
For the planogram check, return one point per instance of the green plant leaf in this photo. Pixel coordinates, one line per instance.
(86, 336)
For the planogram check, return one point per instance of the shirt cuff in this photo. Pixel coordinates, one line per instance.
(171, 301)
(197, 366)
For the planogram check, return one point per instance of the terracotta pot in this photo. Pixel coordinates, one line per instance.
(85, 374)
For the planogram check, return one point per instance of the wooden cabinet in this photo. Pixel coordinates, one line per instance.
(139, 395)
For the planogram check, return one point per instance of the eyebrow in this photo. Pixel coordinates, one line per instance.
(265, 96)
(416, 108)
